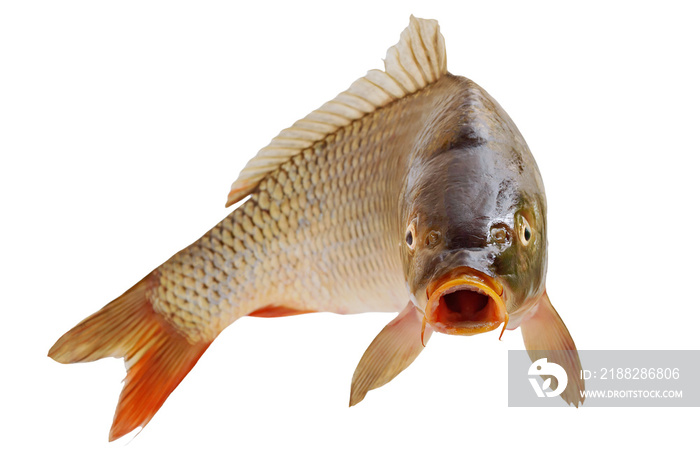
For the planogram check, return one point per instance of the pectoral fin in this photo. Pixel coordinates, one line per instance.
(394, 349)
(546, 336)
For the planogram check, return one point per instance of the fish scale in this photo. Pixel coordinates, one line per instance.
(326, 247)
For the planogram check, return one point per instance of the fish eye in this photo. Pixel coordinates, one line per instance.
(410, 236)
(525, 231)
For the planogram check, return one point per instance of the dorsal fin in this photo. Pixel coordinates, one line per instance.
(416, 61)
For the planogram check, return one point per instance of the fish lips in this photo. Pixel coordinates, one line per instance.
(465, 301)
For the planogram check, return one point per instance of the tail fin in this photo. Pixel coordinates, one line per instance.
(157, 358)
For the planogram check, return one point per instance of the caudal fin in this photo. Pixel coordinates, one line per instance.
(157, 357)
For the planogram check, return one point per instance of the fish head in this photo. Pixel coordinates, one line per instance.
(474, 247)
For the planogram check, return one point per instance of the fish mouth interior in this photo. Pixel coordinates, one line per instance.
(466, 305)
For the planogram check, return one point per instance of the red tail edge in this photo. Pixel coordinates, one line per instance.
(157, 357)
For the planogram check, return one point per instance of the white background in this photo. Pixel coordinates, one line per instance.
(123, 124)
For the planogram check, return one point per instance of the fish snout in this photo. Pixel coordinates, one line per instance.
(465, 301)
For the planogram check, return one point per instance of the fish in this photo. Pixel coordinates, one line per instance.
(411, 192)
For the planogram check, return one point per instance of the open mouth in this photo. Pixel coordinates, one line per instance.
(465, 301)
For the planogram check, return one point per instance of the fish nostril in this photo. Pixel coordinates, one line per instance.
(433, 238)
(500, 233)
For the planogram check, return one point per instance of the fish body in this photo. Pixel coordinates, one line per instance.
(412, 192)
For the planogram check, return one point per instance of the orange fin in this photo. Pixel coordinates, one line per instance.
(157, 358)
(546, 336)
(274, 311)
(391, 352)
